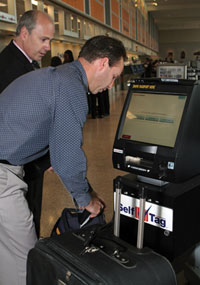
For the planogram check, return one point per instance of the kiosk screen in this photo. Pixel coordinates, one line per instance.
(153, 118)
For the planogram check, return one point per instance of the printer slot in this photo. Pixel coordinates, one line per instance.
(138, 161)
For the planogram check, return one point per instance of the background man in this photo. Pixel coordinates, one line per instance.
(50, 116)
(33, 35)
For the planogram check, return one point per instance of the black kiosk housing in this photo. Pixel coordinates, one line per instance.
(158, 134)
(158, 141)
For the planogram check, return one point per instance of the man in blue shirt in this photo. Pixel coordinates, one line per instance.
(40, 111)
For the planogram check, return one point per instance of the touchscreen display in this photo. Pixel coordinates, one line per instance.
(153, 118)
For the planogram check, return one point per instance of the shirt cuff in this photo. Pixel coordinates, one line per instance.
(79, 188)
(82, 199)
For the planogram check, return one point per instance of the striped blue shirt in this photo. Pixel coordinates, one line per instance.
(46, 109)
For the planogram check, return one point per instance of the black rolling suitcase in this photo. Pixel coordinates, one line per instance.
(94, 255)
(65, 259)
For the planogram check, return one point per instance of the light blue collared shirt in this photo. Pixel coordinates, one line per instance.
(46, 109)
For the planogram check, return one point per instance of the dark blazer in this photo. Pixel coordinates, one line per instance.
(13, 63)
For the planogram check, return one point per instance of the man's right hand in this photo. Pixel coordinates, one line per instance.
(95, 205)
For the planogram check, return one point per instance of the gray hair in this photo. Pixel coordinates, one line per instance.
(29, 19)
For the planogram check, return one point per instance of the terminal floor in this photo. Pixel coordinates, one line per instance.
(98, 141)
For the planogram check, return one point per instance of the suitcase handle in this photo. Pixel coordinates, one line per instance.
(96, 236)
(142, 195)
(109, 245)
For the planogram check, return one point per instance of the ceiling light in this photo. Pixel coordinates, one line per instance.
(152, 3)
(34, 2)
(3, 5)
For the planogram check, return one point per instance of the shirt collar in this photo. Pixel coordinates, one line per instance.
(29, 59)
(84, 76)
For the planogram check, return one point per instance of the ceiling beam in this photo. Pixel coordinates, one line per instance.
(152, 8)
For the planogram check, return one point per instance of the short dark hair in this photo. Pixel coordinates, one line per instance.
(103, 46)
(55, 61)
(70, 55)
(29, 19)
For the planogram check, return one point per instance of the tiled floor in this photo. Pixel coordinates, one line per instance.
(98, 141)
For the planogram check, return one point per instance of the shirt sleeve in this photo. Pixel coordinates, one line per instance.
(67, 156)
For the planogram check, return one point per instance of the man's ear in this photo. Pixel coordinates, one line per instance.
(24, 33)
(103, 63)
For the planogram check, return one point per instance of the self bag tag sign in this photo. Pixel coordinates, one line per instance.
(155, 215)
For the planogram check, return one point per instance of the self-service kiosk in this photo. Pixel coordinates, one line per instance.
(158, 143)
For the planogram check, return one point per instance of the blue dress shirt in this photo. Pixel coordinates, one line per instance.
(46, 109)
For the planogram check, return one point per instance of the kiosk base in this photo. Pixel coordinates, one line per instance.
(171, 215)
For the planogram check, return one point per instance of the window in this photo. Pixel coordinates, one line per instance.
(88, 29)
(67, 21)
(87, 7)
(56, 20)
(107, 12)
(73, 23)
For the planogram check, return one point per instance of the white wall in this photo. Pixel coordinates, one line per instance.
(179, 40)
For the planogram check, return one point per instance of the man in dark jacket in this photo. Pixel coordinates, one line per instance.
(33, 34)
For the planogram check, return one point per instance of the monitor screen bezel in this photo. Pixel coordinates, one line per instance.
(126, 106)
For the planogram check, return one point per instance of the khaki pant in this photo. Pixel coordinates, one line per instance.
(17, 230)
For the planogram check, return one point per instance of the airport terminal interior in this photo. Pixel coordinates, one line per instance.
(156, 47)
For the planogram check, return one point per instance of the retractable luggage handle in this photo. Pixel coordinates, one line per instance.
(142, 195)
(118, 192)
(140, 233)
